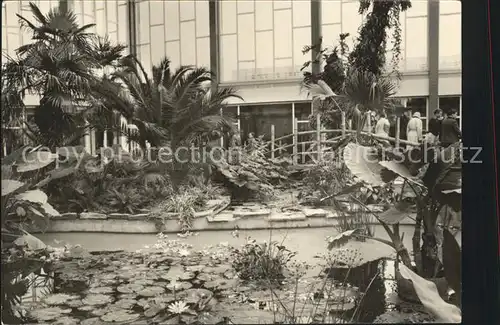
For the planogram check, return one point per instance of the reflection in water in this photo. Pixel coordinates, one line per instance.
(377, 281)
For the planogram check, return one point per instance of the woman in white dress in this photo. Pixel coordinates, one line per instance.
(383, 125)
(414, 128)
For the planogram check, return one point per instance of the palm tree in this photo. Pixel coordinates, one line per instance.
(175, 108)
(61, 66)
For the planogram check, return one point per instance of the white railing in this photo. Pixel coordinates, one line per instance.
(415, 64)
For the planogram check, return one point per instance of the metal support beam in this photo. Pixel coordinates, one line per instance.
(132, 27)
(64, 5)
(213, 12)
(433, 54)
(315, 33)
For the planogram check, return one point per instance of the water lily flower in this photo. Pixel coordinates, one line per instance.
(184, 252)
(178, 307)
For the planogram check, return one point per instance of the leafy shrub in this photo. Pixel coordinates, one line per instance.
(261, 261)
(186, 202)
(118, 186)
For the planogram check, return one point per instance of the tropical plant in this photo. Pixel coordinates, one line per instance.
(177, 108)
(61, 66)
(23, 205)
(438, 185)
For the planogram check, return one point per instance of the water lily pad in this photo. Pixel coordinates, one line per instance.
(97, 300)
(125, 303)
(48, 314)
(127, 275)
(74, 303)
(195, 268)
(151, 291)
(119, 316)
(91, 321)
(164, 299)
(179, 286)
(130, 288)
(220, 284)
(128, 296)
(58, 299)
(206, 277)
(66, 321)
(178, 273)
(217, 270)
(194, 296)
(142, 282)
(86, 308)
(154, 310)
(101, 290)
(100, 311)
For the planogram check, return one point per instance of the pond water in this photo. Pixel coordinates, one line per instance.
(377, 281)
(307, 242)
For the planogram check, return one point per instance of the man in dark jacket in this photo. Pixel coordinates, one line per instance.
(435, 126)
(450, 132)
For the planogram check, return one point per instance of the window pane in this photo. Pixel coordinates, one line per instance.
(230, 112)
(418, 104)
(448, 103)
(302, 111)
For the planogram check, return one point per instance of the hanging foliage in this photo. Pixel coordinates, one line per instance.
(369, 53)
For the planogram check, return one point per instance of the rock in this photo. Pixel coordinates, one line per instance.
(201, 214)
(211, 204)
(140, 216)
(66, 216)
(30, 241)
(315, 213)
(375, 208)
(333, 214)
(119, 216)
(250, 212)
(222, 217)
(93, 215)
(283, 217)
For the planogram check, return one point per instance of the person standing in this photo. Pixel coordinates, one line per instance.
(383, 125)
(434, 127)
(403, 124)
(450, 132)
(414, 128)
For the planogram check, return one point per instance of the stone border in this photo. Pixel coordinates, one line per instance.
(241, 217)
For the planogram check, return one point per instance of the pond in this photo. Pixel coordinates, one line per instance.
(380, 296)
